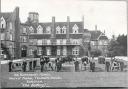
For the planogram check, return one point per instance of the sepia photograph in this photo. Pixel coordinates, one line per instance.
(63, 44)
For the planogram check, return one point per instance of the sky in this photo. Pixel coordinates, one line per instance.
(110, 16)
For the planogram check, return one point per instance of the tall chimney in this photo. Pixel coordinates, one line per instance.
(68, 26)
(95, 27)
(53, 27)
(83, 22)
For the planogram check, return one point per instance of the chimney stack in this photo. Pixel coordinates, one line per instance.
(95, 27)
(83, 22)
(68, 26)
(53, 27)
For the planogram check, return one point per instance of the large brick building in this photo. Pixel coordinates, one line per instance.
(46, 38)
(51, 38)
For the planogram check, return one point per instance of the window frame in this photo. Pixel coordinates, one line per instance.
(58, 30)
(39, 29)
(48, 30)
(75, 29)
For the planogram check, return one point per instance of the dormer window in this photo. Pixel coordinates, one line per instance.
(48, 30)
(63, 30)
(3, 22)
(31, 30)
(58, 30)
(75, 29)
(39, 29)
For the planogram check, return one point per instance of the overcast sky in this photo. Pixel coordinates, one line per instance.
(110, 16)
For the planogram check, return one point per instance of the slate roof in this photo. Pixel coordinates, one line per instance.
(98, 35)
(103, 37)
(95, 34)
(7, 16)
(61, 24)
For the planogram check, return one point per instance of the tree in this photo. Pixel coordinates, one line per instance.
(122, 40)
(118, 47)
(96, 52)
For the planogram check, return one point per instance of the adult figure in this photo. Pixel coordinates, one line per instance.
(34, 64)
(42, 62)
(10, 65)
(121, 66)
(56, 60)
(58, 65)
(76, 63)
(107, 66)
(92, 65)
(24, 65)
(85, 64)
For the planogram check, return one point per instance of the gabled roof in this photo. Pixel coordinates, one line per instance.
(98, 35)
(95, 34)
(6, 16)
(102, 37)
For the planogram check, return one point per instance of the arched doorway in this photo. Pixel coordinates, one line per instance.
(24, 51)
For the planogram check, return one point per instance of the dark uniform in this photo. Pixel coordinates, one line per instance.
(10, 66)
(121, 66)
(92, 66)
(76, 65)
(34, 64)
(42, 61)
(107, 66)
(24, 66)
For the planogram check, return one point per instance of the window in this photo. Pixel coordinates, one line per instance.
(3, 23)
(39, 29)
(64, 51)
(2, 36)
(11, 37)
(105, 43)
(58, 30)
(64, 41)
(48, 30)
(75, 51)
(10, 25)
(48, 42)
(64, 30)
(40, 51)
(23, 39)
(58, 41)
(31, 51)
(92, 42)
(75, 41)
(100, 43)
(39, 42)
(48, 51)
(58, 51)
(24, 30)
(31, 30)
(75, 29)
(31, 41)
(10, 48)
(8, 36)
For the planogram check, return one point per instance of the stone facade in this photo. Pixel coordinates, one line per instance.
(10, 31)
(52, 38)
